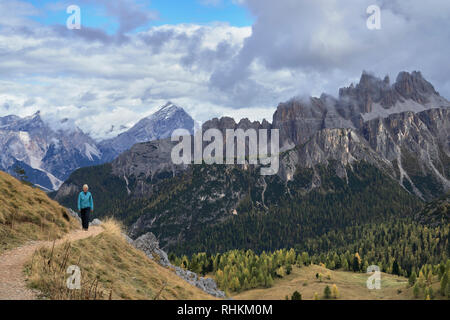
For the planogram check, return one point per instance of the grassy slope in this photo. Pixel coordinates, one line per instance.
(27, 213)
(351, 286)
(122, 271)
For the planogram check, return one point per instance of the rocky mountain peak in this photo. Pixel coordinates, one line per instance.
(414, 86)
(372, 90)
(225, 123)
(372, 97)
(167, 110)
(369, 81)
(158, 125)
(169, 105)
(36, 117)
(46, 151)
(368, 91)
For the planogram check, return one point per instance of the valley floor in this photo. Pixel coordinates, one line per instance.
(351, 286)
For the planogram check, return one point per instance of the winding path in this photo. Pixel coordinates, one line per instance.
(12, 278)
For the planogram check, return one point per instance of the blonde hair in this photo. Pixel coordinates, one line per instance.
(86, 186)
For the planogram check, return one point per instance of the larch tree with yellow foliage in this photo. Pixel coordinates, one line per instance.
(356, 263)
(334, 291)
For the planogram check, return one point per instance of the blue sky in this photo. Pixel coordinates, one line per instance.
(168, 12)
(192, 11)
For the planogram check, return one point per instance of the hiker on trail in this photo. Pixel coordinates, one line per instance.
(85, 206)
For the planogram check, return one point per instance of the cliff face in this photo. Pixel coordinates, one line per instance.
(411, 148)
(48, 153)
(417, 145)
(144, 165)
(401, 130)
(372, 98)
(177, 201)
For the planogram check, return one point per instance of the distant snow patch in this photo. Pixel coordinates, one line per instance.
(91, 151)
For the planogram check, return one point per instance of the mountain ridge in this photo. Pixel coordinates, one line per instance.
(49, 152)
(158, 125)
(323, 151)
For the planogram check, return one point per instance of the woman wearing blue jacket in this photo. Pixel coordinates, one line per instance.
(85, 206)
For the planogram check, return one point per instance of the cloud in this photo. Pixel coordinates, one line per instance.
(103, 79)
(330, 39)
(100, 82)
(16, 13)
(130, 14)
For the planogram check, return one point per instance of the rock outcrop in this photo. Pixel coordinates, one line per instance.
(95, 223)
(299, 119)
(413, 148)
(149, 244)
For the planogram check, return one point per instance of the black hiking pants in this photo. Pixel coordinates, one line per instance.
(85, 217)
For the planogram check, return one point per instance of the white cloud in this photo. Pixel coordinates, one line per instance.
(293, 48)
(104, 84)
(328, 42)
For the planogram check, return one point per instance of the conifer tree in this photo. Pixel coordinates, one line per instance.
(444, 283)
(395, 268)
(296, 296)
(412, 278)
(448, 291)
(327, 292)
(416, 290)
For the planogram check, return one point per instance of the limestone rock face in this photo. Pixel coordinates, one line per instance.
(48, 151)
(159, 125)
(96, 222)
(410, 147)
(74, 214)
(413, 86)
(206, 284)
(403, 129)
(149, 244)
(145, 164)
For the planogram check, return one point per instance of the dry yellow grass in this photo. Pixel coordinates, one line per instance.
(26, 213)
(110, 268)
(112, 226)
(351, 286)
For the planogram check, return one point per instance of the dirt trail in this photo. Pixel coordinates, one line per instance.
(12, 278)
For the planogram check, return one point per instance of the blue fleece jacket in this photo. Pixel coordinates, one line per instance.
(85, 200)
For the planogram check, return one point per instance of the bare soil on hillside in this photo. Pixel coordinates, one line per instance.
(12, 279)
